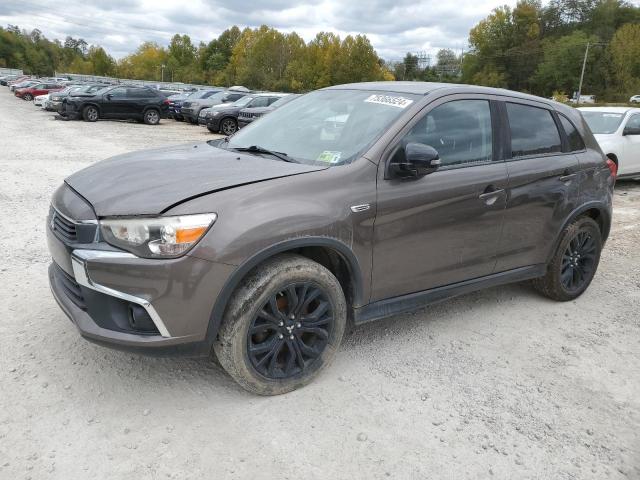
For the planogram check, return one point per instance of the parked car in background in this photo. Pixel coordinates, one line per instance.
(40, 100)
(224, 118)
(9, 78)
(584, 99)
(54, 103)
(118, 102)
(635, 99)
(22, 84)
(177, 101)
(249, 114)
(617, 130)
(28, 93)
(191, 106)
(262, 247)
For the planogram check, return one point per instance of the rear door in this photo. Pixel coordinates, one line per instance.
(631, 142)
(444, 227)
(543, 187)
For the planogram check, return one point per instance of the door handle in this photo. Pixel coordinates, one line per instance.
(566, 176)
(491, 194)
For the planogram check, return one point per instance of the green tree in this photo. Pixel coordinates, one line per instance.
(625, 56)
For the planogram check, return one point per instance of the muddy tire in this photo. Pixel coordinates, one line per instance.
(90, 114)
(282, 326)
(574, 263)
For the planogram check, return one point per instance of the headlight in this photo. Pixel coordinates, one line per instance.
(161, 237)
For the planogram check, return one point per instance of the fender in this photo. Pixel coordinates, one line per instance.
(236, 277)
(606, 222)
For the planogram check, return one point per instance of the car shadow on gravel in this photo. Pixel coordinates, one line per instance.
(203, 374)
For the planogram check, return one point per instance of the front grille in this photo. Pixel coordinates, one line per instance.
(63, 227)
(70, 287)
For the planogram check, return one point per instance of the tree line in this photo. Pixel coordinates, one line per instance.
(530, 47)
(536, 49)
(260, 58)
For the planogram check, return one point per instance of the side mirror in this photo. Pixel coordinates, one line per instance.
(631, 131)
(420, 160)
(109, 96)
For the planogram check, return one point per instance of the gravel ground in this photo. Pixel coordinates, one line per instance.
(500, 383)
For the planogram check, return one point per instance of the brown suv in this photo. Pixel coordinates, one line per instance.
(350, 204)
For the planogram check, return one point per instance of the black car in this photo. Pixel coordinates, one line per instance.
(54, 103)
(224, 118)
(119, 102)
(249, 114)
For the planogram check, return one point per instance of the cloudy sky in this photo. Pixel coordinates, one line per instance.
(394, 27)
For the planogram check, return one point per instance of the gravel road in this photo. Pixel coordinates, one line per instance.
(501, 383)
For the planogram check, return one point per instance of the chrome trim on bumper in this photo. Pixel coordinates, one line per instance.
(79, 258)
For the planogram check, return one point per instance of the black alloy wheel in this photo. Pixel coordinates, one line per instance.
(290, 331)
(578, 261)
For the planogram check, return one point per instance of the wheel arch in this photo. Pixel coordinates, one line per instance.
(91, 104)
(329, 252)
(595, 210)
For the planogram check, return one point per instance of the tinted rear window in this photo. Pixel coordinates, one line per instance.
(575, 140)
(533, 131)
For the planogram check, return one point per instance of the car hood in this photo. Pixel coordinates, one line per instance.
(151, 181)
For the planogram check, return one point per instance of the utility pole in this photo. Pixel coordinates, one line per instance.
(162, 67)
(584, 64)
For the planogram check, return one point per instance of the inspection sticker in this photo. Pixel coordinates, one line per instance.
(329, 157)
(399, 102)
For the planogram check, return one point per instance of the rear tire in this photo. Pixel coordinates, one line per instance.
(574, 263)
(282, 326)
(152, 117)
(90, 114)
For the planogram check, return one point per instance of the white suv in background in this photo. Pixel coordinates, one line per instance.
(635, 99)
(617, 130)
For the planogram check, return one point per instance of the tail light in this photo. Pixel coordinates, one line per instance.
(166, 102)
(613, 168)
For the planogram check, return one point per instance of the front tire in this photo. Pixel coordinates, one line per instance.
(228, 126)
(28, 97)
(282, 325)
(574, 263)
(90, 114)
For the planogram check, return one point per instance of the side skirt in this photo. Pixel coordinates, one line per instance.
(413, 301)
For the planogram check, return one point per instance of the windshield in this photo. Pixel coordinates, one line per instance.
(200, 94)
(241, 102)
(325, 127)
(603, 122)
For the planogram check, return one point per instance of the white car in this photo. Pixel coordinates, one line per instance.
(40, 100)
(617, 131)
(635, 99)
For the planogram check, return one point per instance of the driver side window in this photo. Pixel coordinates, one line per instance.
(634, 122)
(459, 130)
(120, 92)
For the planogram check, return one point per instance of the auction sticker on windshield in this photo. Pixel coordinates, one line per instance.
(329, 157)
(390, 100)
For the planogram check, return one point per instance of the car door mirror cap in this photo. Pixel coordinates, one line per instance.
(109, 96)
(420, 160)
(631, 131)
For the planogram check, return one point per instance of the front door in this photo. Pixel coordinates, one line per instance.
(115, 103)
(543, 186)
(444, 227)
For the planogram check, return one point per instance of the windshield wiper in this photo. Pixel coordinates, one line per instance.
(257, 149)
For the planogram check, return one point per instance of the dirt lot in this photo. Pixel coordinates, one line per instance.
(499, 383)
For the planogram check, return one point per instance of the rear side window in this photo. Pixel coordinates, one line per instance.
(533, 131)
(141, 93)
(573, 136)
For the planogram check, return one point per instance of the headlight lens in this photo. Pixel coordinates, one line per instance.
(161, 237)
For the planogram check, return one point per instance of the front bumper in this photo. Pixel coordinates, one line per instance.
(119, 300)
(213, 123)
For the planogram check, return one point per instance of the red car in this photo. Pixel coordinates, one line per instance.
(37, 89)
